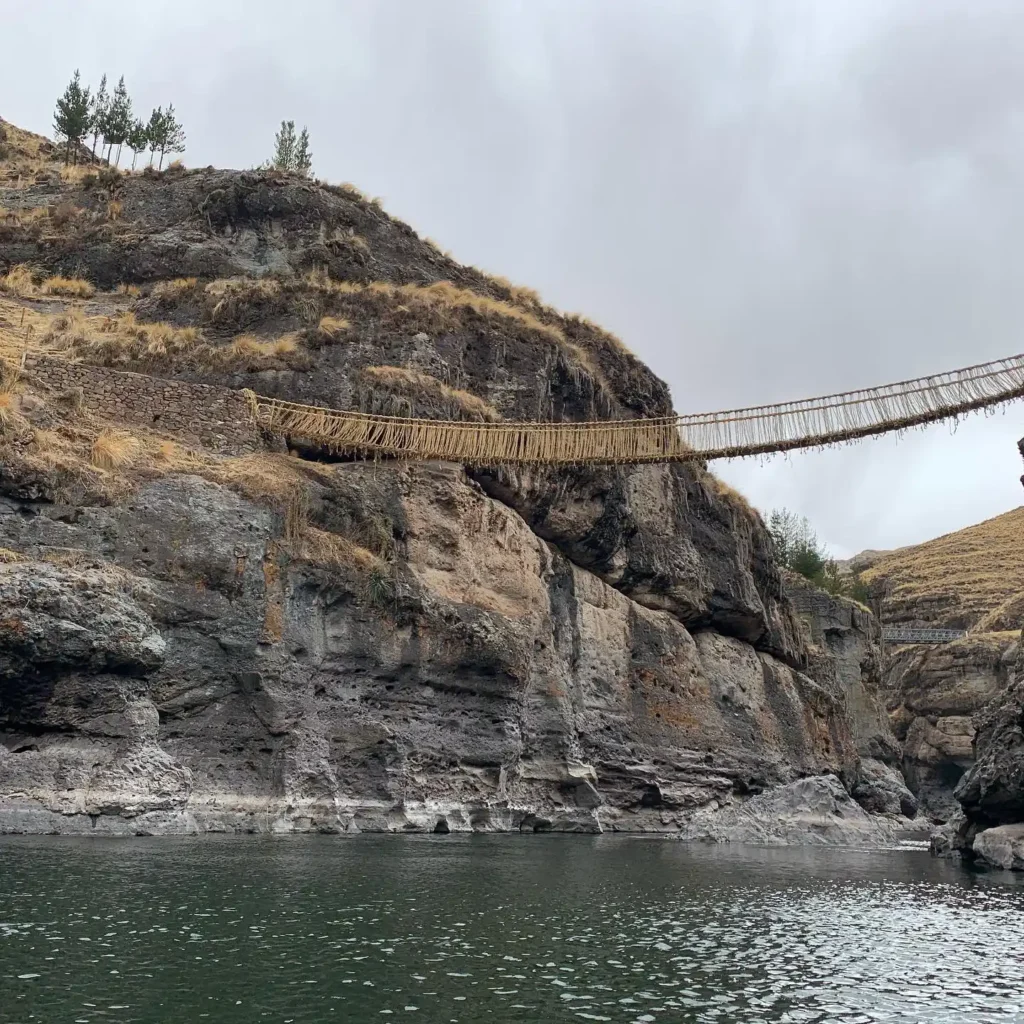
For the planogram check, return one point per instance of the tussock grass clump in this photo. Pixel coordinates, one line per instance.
(243, 300)
(178, 291)
(115, 449)
(332, 328)
(519, 294)
(730, 495)
(321, 547)
(11, 420)
(412, 393)
(18, 281)
(67, 287)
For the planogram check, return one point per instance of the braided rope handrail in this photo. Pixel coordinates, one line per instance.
(756, 430)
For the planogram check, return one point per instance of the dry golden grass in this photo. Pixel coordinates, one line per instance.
(124, 341)
(333, 327)
(24, 216)
(320, 302)
(729, 494)
(517, 293)
(969, 574)
(21, 326)
(9, 557)
(320, 547)
(115, 449)
(247, 346)
(177, 290)
(18, 281)
(67, 287)
(133, 291)
(75, 174)
(424, 390)
(444, 296)
(11, 421)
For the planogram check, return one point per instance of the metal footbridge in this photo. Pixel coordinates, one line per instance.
(904, 635)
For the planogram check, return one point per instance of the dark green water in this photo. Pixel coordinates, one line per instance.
(498, 928)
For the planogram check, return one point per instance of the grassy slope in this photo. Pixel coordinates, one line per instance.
(973, 577)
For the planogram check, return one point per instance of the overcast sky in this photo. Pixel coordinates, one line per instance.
(765, 200)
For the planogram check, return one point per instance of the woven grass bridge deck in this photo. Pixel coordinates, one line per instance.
(757, 430)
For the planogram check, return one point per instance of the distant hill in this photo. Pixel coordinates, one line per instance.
(971, 579)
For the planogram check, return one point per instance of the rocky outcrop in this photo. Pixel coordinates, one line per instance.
(813, 811)
(208, 679)
(843, 644)
(989, 826)
(992, 792)
(1001, 847)
(933, 692)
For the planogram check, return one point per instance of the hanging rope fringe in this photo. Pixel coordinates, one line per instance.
(757, 430)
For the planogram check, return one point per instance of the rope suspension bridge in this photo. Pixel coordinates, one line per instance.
(757, 430)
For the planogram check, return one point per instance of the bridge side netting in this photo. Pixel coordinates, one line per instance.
(756, 430)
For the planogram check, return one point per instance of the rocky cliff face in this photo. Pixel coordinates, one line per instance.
(843, 641)
(287, 640)
(990, 825)
(184, 671)
(964, 580)
(933, 692)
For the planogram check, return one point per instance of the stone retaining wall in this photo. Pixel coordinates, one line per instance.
(215, 418)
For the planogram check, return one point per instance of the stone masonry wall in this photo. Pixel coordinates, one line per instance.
(216, 418)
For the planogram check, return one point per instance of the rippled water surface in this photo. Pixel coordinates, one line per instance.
(499, 928)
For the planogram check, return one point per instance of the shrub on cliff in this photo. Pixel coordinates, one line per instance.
(797, 547)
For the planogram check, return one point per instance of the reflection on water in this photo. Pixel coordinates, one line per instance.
(499, 928)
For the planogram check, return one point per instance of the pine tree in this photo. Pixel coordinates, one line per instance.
(71, 118)
(119, 120)
(138, 138)
(303, 156)
(98, 112)
(172, 135)
(154, 132)
(284, 147)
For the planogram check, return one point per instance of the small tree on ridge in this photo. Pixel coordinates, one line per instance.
(291, 153)
(98, 112)
(118, 122)
(71, 118)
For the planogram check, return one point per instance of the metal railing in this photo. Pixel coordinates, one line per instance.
(904, 635)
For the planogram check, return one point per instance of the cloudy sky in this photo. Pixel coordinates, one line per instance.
(765, 199)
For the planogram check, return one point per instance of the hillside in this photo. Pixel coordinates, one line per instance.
(970, 579)
(204, 627)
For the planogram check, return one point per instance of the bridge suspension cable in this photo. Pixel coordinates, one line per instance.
(756, 430)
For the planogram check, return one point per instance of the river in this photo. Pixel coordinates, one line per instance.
(499, 928)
